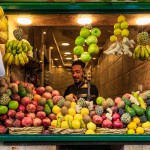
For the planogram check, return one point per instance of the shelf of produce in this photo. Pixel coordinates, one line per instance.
(116, 139)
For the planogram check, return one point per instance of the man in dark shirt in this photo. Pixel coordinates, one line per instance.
(80, 88)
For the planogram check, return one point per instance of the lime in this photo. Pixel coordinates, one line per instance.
(121, 18)
(140, 130)
(131, 131)
(89, 131)
(76, 124)
(3, 110)
(13, 105)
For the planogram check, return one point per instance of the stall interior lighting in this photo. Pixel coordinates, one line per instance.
(84, 21)
(65, 44)
(143, 21)
(24, 21)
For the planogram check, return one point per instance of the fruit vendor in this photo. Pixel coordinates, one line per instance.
(2, 69)
(79, 88)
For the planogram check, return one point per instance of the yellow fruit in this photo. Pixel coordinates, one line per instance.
(78, 117)
(116, 25)
(54, 123)
(136, 120)
(131, 131)
(140, 130)
(84, 111)
(64, 124)
(117, 31)
(91, 126)
(73, 104)
(113, 38)
(56, 109)
(124, 25)
(59, 115)
(76, 124)
(89, 131)
(125, 32)
(132, 125)
(68, 117)
(121, 18)
(146, 124)
(71, 111)
(3, 26)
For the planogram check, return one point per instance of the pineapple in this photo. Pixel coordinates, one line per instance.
(143, 38)
(4, 99)
(99, 110)
(81, 102)
(110, 102)
(126, 118)
(60, 103)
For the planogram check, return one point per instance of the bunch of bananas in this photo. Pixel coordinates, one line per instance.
(3, 27)
(16, 52)
(142, 50)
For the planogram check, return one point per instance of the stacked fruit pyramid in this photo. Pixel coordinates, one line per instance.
(142, 50)
(43, 110)
(3, 27)
(120, 42)
(86, 43)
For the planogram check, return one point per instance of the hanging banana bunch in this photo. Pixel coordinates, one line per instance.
(142, 50)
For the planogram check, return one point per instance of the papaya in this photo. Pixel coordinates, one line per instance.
(130, 110)
(47, 109)
(148, 113)
(139, 110)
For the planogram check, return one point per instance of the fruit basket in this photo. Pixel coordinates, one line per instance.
(54, 130)
(25, 130)
(110, 131)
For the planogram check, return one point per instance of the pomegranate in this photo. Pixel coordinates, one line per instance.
(40, 90)
(92, 113)
(97, 119)
(55, 93)
(30, 108)
(104, 116)
(11, 113)
(56, 98)
(25, 100)
(9, 122)
(31, 115)
(114, 109)
(26, 122)
(39, 108)
(46, 122)
(16, 97)
(37, 122)
(17, 123)
(3, 117)
(117, 124)
(34, 103)
(107, 124)
(20, 115)
(41, 115)
(2, 130)
(115, 116)
(47, 95)
(21, 108)
(33, 92)
(52, 116)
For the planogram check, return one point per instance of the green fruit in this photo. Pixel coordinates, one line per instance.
(79, 41)
(99, 100)
(116, 25)
(124, 25)
(3, 110)
(47, 109)
(50, 103)
(96, 32)
(93, 49)
(85, 57)
(13, 105)
(125, 32)
(117, 31)
(91, 40)
(84, 32)
(78, 50)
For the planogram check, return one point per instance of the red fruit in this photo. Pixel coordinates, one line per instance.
(9, 122)
(17, 82)
(33, 92)
(25, 100)
(16, 97)
(118, 124)
(11, 113)
(56, 98)
(107, 124)
(55, 93)
(37, 122)
(97, 119)
(3, 117)
(31, 115)
(35, 103)
(45, 132)
(127, 96)
(31, 85)
(25, 84)
(20, 115)
(46, 122)
(115, 116)
(2, 130)
(21, 108)
(40, 90)
(114, 109)
(30, 108)
(39, 108)
(26, 122)
(117, 100)
(41, 115)
(104, 116)
(52, 116)
(47, 95)
(17, 123)
(92, 113)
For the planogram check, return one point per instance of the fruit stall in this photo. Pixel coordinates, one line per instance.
(31, 113)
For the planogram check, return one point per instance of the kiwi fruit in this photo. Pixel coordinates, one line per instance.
(86, 119)
(69, 97)
(14, 89)
(105, 104)
(67, 104)
(64, 110)
(42, 101)
(48, 89)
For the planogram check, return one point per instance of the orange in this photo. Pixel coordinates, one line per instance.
(36, 97)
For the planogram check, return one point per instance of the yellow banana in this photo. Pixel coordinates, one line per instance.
(21, 60)
(58, 122)
(25, 57)
(24, 46)
(148, 49)
(10, 60)
(15, 43)
(146, 54)
(142, 102)
(137, 49)
(142, 54)
(6, 57)
(82, 124)
(20, 50)
(7, 44)
(9, 50)
(69, 123)
(137, 52)
(19, 45)
(17, 63)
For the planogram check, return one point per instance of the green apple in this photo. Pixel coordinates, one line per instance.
(78, 50)
(96, 32)
(124, 25)
(79, 41)
(13, 104)
(99, 100)
(85, 32)
(125, 32)
(93, 49)
(85, 57)
(91, 40)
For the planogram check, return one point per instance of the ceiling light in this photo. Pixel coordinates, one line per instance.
(24, 21)
(67, 53)
(68, 58)
(59, 66)
(55, 58)
(143, 21)
(65, 44)
(84, 21)
(44, 32)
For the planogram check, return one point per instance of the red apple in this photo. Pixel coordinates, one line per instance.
(52, 116)
(107, 124)
(41, 115)
(30, 108)
(97, 119)
(40, 90)
(46, 122)
(26, 122)
(37, 122)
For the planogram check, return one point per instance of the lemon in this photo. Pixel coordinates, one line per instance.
(146, 124)
(136, 120)
(117, 31)
(121, 18)
(84, 111)
(140, 130)
(132, 125)
(131, 131)
(56, 109)
(113, 38)
(78, 117)
(73, 104)
(68, 117)
(124, 25)
(91, 126)
(76, 124)
(89, 131)
(54, 123)
(71, 111)
(116, 25)
(125, 32)
(64, 124)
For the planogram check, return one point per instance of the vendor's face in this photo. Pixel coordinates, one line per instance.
(77, 73)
